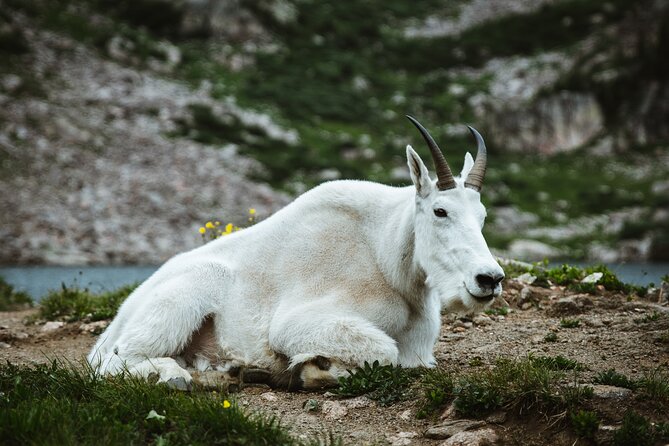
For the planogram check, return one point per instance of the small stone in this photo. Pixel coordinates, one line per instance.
(20, 335)
(498, 417)
(481, 437)
(468, 325)
(451, 427)
(96, 327)
(406, 415)
(482, 320)
(459, 329)
(401, 438)
(269, 396)
(592, 278)
(526, 294)
(4, 345)
(51, 326)
(526, 305)
(310, 405)
(526, 278)
(334, 410)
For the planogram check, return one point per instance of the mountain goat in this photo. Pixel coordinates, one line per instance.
(351, 271)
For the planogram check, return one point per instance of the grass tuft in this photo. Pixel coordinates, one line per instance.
(585, 423)
(74, 303)
(11, 300)
(521, 385)
(386, 384)
(54, 404)
(612, 378)
(569, 323)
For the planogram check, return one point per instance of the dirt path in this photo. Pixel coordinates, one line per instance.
(631, 337)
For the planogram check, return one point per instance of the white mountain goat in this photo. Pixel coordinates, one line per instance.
(351, 271)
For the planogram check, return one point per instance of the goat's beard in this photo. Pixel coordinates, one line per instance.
(453, 294)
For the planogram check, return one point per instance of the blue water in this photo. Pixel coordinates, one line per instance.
(38, 280)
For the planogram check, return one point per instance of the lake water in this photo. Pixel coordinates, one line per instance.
(38, 280)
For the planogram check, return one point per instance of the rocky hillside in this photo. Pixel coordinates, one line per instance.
(125, 125)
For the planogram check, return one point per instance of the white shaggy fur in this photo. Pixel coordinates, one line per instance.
(351, 271)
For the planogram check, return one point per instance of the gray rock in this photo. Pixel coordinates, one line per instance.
(609, 392)
(451, 427)
(4, 345)
(481, 437)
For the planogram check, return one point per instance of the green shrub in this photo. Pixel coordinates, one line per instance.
(11, 300)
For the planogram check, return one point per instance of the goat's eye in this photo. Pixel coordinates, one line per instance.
(440, 212)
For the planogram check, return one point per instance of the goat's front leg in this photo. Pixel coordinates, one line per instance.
(323, 342)
(416, 343)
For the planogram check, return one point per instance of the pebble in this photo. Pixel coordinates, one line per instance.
(481, 437)
(94, 327)
(4, 345)
(609, 392)
(357, 402)
(269, 396)
(52, 326)
(482, 320)
(334, 410)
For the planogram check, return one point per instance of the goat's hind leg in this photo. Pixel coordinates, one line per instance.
(160, 327)
(322, 346)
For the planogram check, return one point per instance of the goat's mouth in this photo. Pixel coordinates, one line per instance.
(484, 298)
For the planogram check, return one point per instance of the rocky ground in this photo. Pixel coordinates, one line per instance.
(630, 336)
(95, 177)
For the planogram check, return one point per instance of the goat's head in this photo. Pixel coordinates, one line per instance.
(449, 217)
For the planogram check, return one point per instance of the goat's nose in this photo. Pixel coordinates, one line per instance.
(489, 280)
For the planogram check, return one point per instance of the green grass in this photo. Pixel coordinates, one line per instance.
(636, 430)
(569, 323)
(524, 386)
(571, 276)
(612, 378)
(585, 423)
(11, 300)
(386, 384)
(74, 303)
(56, 404)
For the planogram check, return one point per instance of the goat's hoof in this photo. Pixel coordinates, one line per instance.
(179, 383)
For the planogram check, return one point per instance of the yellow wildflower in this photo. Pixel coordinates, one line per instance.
(252, 211)
(202, 230)
(209, 225)
(226, 404)
(218, 223)
(228, 228)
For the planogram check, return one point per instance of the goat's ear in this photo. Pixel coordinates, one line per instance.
(469, 163)
(419, 173)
